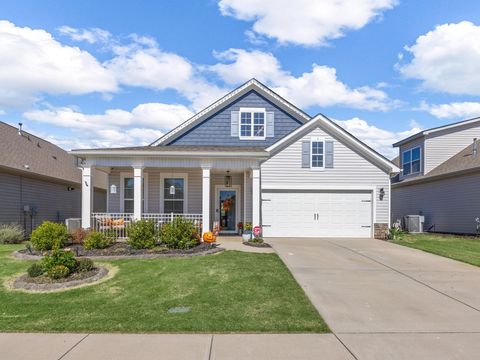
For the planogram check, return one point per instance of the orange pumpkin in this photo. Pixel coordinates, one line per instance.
(209, 237)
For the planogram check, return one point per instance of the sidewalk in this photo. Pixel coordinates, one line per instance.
(15, 346)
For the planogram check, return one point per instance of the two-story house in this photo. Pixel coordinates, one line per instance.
(249, 157)
(440, 177)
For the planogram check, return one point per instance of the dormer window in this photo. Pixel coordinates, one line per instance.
(411, 161)
(252, 123)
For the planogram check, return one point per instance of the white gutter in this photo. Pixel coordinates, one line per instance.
(120, 153)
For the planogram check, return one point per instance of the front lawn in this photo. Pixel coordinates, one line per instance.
(462, 248)
(229, 292)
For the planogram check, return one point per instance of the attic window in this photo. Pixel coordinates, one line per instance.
(411, 161)
(252, 123)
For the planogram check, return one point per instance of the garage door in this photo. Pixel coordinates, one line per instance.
(317, 213)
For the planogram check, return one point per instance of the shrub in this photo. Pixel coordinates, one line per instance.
(395, 233)
(78, 236)
(141, 234)
(49, 236)
(59, 257)
(179, 234)
(11, 234)
(97, 240)
(35, 270)
(84, 265)
(256, 240)
(58, 272)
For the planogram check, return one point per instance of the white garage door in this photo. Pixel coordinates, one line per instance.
(317, 213)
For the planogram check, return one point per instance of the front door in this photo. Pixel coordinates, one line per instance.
(227, 209)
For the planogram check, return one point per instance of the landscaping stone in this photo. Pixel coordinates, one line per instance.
(256, 244)
(25, 282)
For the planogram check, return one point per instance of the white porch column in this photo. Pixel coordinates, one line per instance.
(137, 192)
(256, 197)
(87, 197)
(206, 199)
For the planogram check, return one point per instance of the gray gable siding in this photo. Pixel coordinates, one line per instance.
(216, 129)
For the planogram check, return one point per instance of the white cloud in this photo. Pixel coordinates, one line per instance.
(32, 62)
(452, 110)
(115, 127)
(446, 59)
(143, 64)
(305, 22)
(379, 139)
(92, 35)
(319, 87)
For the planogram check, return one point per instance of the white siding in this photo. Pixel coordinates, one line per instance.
(441, 146)
(451, 204)
(194, 188)
(350, 169)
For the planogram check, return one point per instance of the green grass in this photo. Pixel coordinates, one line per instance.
(462, 248)
(229, 292)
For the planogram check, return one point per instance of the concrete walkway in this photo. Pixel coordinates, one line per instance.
(385, 301)
(236, 243)
(170, 347)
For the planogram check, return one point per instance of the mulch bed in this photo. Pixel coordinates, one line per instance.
(121, 250)
(258, 245)
(44, 283)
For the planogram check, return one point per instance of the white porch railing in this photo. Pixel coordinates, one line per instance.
(117, 223)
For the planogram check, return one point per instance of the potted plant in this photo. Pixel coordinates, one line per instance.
(247, 231)
(240, 228)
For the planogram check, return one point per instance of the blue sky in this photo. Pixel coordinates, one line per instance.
(109, 73)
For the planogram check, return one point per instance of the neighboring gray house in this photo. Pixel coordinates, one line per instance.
(440, 178)
(39, 181)
(250, 157)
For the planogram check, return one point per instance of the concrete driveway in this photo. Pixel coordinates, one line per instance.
(385, 301)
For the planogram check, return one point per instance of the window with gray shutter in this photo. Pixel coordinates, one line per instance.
(306, 154)
(270, 124)
(329, 154)
(234, 123)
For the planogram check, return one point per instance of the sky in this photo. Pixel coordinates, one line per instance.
(107, 73)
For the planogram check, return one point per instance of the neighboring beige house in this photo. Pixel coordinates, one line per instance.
(252, 156)
(440, 177)
(40, 181)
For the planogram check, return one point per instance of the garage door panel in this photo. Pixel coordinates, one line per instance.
(340, 213)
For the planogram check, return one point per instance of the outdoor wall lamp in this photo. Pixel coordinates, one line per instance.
(382, 193)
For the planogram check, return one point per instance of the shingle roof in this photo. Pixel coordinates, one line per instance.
(31, 154)
(460, 162)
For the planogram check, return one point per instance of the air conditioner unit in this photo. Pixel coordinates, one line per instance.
(414, 223)
(73, 224)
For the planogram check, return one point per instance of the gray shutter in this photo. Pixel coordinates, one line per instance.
(328, 154)
(270, 124)
(234, 115)
(305, 154)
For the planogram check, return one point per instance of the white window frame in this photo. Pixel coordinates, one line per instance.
(123, 176)
(174, 175)
(252, 111)
(411, 160)
(312, 140)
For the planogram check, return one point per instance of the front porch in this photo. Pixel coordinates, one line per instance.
(206, 196)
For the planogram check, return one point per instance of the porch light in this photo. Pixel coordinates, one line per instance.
(382, 193)
(228, 179)
(172, 189)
